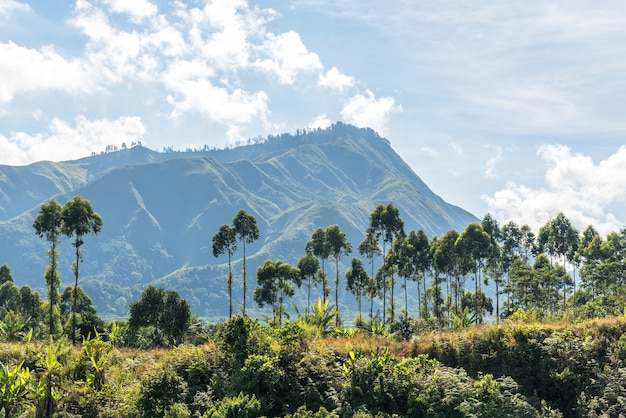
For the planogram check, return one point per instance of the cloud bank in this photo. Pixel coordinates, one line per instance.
(216, 60)
(585, 191)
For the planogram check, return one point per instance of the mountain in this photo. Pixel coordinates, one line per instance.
(161, 211)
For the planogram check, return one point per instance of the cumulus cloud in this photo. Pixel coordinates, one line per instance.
(9, 6)
(212, 59)
(30, 70)
(69, 141)
(369, 111)
(137, 10)
(335, 80)
(321, 121)
(287, 56)
(575, 185)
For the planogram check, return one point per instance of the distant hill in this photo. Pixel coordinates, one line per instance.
(161, 211)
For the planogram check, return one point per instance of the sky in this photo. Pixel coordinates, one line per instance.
(510, 108)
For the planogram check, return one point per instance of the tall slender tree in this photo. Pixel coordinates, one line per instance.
(225, 242)
(386, 225)
(338, 246)
(247, 232)
(308, 265)
(356, 282)
(79, 219)
(474, 243)
(369, 248)
(47, 225)
(448, 261)
(318, 246)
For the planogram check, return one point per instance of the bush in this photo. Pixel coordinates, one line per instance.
(241, 406)
(158, 393)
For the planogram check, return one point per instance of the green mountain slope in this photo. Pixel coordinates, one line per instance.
(161, 210)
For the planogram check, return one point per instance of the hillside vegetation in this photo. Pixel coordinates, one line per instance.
(160, 210)
(244, 369)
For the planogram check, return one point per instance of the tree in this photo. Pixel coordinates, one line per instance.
(5, 274)
(247, 232)
(79, 219)
(84, 319)
(386, 225)
(474, 243)
(468, 301)
(276, 280)
(31, 306)
(166, 311)
(338, 245)
(308, 265)
(47, 225)
(566, 240)
(369, 248)
(225, 241)
(318, 246)
(494, 266)
(447, 260)
(559, 238)
(435, 287)
(356, 281)
(413, 262)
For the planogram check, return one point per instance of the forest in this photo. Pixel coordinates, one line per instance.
(508, 322)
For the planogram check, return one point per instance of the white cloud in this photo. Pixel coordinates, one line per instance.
(64, 141)
(27, 70)
(457, 149)
(9, 6)
(583, 190)
(287, 57)
(368, 111)
(320, 121)
(492, 162)
(429, 151)
(137, 10)
(335, 80)
(190, 81)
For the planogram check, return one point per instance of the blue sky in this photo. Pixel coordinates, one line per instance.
(513, 108)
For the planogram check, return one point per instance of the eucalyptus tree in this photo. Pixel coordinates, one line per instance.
(338, 246)
(400, 254)
(422, 259)
(225, 242)
(558, 238)
(247, 232)
(590, 254)
(447, 260)
(566, 239)
(474, 243)
(309, 266)
(275, 282)
(318, 246)
(435, 287)
(369, 248)
(494, 265)
(5, 274)
(357, 281)
(47, 225)
(79, 219)
(386, 225)
(412, 256)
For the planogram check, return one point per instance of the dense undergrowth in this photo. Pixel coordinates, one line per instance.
(247, 370)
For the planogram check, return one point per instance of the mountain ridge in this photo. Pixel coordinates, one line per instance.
(160, 211)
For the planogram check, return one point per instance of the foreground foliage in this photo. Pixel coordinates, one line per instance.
(249, 370)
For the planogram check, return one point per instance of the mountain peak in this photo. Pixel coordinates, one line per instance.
(161, 210)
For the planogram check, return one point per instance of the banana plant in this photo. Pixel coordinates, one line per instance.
(15, 384)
